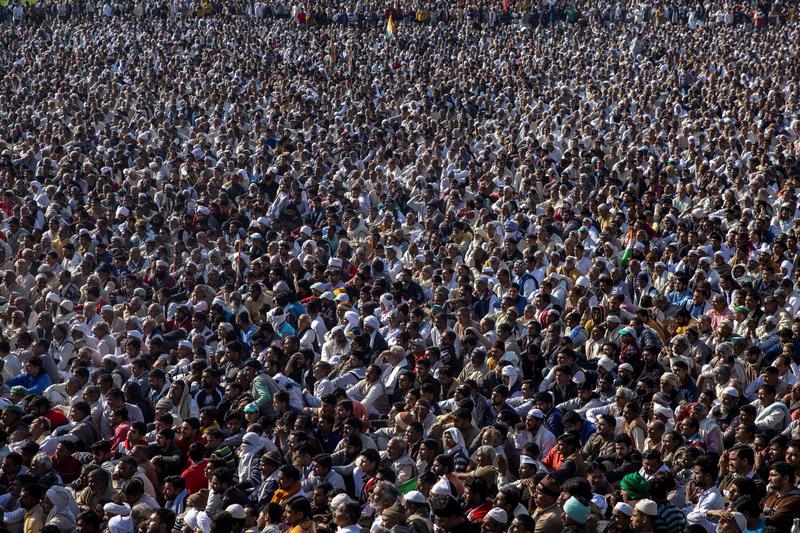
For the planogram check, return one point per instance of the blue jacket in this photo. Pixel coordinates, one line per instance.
(35, 385)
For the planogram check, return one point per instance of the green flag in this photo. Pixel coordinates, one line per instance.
(408, 486)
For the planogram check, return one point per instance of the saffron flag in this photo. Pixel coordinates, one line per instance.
(390, 28)
(505, 6)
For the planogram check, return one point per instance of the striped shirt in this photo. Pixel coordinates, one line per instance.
(669, 519)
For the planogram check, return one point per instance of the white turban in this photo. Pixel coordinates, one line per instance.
(511, 373)
(204, 522)
(121, 524)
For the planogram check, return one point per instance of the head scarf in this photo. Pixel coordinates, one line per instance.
(64, 508)
(512, 374)
(455, 433)
(185, 406)
(635, 485)
(251, 449)
(352, 321)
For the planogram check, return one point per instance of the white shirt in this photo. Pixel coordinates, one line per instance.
(710, 500)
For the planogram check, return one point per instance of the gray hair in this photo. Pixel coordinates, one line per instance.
(388, 490)
(488, 451)
(42, 460)
(626, 393)
(400, 442)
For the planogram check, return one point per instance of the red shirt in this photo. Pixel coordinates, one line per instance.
(553, 459)
(195, 477)
(183, 446)
(69, 470)
(56, 418)
(120, 435)
(476, 514)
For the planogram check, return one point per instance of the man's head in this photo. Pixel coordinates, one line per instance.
(30, 495)
(173, 485)
(741, 460)
(384, 495)
(222, 479)
(644, 515)
(547, 492)
(623, 445)
(705, 472)
(448, 513)
(781, 477)
(161, 521)
(88, 522)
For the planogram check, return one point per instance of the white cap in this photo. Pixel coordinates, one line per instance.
(442, 489)
(415, 496)
(730, 391)
(606, 363)
(536, 413)
(341, 499)
(236, 511)
(117, 509)
(648, 507)
(498, 515)
(626, 366)
(282, 287)
(624, 508)
(663, 411)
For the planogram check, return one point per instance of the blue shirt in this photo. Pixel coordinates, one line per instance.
(554, 422)
(679, 299)
(35, 384)
(586, 431)
(246, 336)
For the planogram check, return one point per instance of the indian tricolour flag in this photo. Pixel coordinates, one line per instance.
(627, 254)
(390, 28)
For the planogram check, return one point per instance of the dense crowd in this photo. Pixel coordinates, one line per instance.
(405, 267)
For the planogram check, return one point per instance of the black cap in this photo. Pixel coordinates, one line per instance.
(446, 506)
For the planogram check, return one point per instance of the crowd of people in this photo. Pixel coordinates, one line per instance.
(491, 266)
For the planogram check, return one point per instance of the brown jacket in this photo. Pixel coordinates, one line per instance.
(784, 508)
(548, 520)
